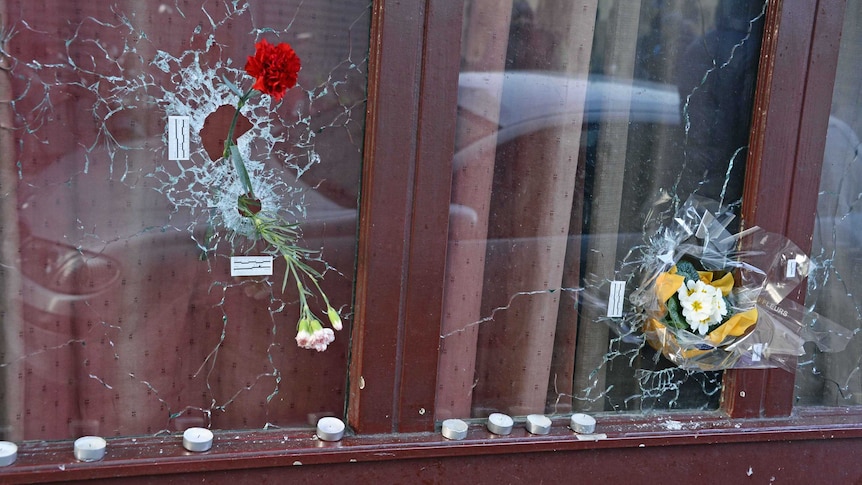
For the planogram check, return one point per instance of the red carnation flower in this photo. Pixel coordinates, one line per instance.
(274, 68)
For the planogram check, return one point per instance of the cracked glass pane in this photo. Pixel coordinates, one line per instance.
(836, 379)
(125, 205)
(582, 127)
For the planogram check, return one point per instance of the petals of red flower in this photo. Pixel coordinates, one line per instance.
(274, 68)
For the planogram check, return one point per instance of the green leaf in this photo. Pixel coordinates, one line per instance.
(284, 283)
(233, 87)
(686, 269)
(674, 314)
(240, 169)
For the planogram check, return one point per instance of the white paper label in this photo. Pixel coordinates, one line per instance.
(791, 268)
(757, 352)
(616, 298)
(251, 265)
(178, 137)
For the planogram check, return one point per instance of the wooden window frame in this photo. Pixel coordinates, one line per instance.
(788, 136)
(404, 208)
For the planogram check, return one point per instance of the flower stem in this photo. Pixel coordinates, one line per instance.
(228, 143)
(240, 104)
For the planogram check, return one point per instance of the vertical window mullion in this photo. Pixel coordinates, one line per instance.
(430, 217)
(385, 213)
(788, 132)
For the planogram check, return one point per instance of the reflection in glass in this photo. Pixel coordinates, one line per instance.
(576, 128)
(120, 315)
(835, 292)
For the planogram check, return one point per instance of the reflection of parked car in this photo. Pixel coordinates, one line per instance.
(531, 101)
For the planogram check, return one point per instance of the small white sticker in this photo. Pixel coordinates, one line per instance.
(757, 352)
(615, 299)
(791, 268)
(251, 265)
(178, 137)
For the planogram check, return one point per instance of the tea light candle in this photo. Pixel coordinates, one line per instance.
(8, 453)
(454, 429)
(583, 423)
(197, 439)
(499, 423)
(538, 424)
(90, 448)
(330, 429)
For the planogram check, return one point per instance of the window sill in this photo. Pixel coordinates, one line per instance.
(40, 461)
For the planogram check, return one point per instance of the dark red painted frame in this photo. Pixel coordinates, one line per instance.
(797, 73)
(404, 215)
(404, 211)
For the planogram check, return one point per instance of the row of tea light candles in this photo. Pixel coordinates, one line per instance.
(92, 448)
(501, 424)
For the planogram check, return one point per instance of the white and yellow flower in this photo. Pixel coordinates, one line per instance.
(702, 305)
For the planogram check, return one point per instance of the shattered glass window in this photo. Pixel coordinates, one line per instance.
(834, 290)
(582, 127)
(138, 293)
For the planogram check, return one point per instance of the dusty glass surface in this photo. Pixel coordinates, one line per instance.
(581, 127)
(836, 292)
(120, 314)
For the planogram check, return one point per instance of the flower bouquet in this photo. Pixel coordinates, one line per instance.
(699, 305)
(275, 69)
(708, 299)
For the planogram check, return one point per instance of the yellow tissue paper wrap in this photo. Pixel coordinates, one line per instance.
(755, 326)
